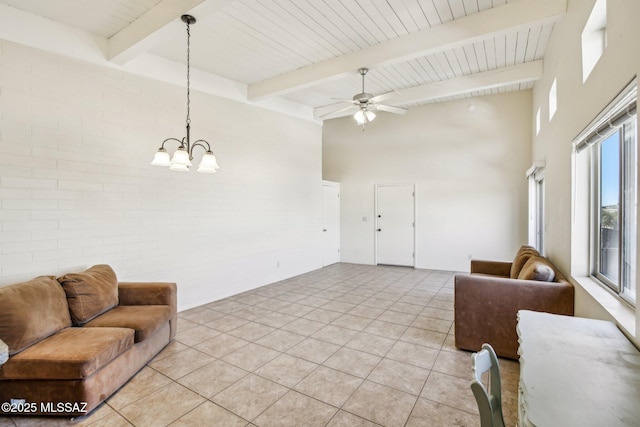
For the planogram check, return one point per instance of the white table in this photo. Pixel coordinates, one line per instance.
(576, 372)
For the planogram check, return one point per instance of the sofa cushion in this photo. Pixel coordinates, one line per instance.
(73, 353)
(522, 256)
(90, 293)
(537, 268)
(32, 311)
(143, 319)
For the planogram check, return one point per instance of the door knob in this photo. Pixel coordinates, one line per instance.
(379, 229)
(324, 229)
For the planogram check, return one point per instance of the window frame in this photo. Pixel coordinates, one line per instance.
(540, 221)
(596, 191)
(626, 155)
(535, 176)
(620, 116)
(629, 272)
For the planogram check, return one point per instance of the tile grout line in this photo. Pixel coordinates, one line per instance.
(353, 289)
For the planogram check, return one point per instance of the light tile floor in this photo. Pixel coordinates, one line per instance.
(346, 345)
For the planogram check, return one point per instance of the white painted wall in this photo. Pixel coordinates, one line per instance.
(76, 187)
(469, 170)
(577, 104)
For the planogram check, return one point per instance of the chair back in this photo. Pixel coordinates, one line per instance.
(489, 401)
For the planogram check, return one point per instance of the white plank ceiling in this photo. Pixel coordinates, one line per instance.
(308, 51)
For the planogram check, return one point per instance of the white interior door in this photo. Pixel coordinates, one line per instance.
(395, 225)
(330, 223)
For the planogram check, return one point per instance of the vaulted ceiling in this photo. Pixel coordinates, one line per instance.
(307, 52)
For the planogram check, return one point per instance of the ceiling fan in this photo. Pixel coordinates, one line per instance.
(365, 104)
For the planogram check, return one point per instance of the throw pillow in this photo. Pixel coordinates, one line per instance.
(32, 311)
(522, 256)
(537, 268)
(90, 293)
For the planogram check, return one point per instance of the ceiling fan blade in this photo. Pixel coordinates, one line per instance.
(383, 96)
(330, 108)
(336, 112)
(390, 109)
(350, 101)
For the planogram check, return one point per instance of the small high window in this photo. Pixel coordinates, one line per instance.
(594, 38)
(553, 99)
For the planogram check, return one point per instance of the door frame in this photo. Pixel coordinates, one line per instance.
(335, 185)
(375, 222)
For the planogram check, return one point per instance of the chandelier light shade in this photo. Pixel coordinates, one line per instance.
(208, 164)
(182, 157)
(161, 158)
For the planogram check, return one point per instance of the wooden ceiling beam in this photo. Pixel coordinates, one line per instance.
(489, 23)
(156, 26)
(486, 80)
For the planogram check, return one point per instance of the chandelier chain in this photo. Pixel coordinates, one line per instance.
(188, 75)
(182, 157)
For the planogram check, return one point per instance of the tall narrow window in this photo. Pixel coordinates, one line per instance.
(540, 214)
(535, 174)
(616, 210)
(612, 142)
(608, 210)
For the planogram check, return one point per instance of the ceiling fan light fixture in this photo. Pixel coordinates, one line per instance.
(364, 116)
(370, 115)
(365, 104)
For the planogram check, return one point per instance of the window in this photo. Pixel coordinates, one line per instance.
(611, 144)
(553, 99)
(594, 38)
(535, 174)
(540, 214)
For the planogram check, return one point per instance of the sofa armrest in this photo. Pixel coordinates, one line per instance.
(486, 309)
(151, 293)
(147, 293)
(493, 268)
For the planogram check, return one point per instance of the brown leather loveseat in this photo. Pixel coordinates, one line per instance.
(76, 339)
(487, 300)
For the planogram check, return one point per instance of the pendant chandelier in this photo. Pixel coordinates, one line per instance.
(182, 157)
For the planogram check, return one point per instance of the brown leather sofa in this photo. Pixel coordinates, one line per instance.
(76, 339)
(488, 299)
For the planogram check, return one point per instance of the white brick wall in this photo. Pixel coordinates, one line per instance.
(76, 187)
